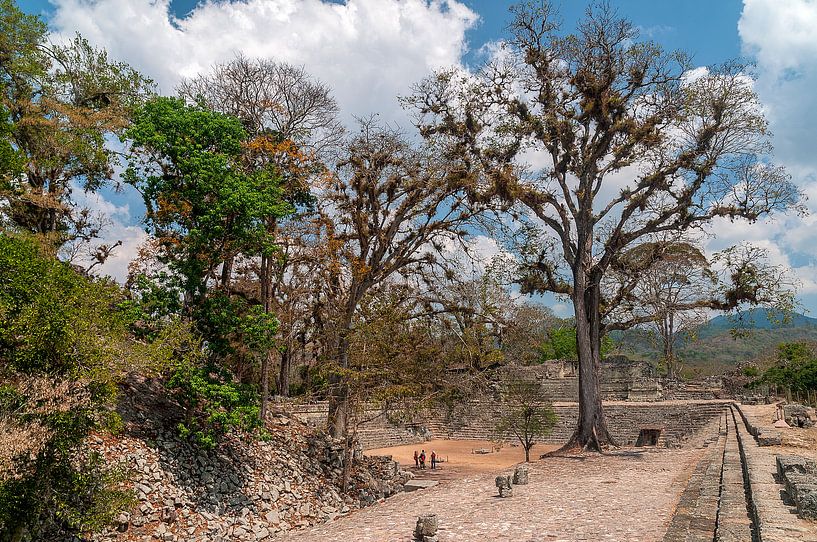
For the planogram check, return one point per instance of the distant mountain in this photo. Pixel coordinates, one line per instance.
(715, 349)
(756, 319)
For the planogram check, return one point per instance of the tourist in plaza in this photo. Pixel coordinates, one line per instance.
(416, 459)
(423, 459)
(433, 460)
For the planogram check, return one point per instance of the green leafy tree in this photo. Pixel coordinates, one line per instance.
(522, 413)
(64, 344)
(58, 106)
(207, 208)
(795, 369)
(202, 206)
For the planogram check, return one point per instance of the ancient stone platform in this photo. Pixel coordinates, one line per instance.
(626, 495)
(723, 485)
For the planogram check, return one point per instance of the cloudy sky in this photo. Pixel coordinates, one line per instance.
(371, 51)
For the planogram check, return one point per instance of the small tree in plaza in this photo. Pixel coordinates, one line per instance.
(522, 413)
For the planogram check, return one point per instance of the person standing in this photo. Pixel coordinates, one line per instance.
(422, 459)
(416, 460)
(433, 460)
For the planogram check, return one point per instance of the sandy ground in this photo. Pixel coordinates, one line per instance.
(458, 459)
(796, 440)
(626, 496)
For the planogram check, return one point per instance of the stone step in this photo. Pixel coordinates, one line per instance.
(695, 517)
(734, 521)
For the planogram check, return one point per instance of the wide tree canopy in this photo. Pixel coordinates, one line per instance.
(631, 144)
(59, 105)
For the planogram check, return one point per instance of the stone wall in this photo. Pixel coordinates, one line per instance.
(621, 379)
(676, 420)
(377, 432)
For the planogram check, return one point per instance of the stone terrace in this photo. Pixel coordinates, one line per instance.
(677, 421)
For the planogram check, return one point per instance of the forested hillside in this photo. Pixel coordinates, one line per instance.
(723, 342)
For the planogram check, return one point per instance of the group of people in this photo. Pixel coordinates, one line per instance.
(420, 459)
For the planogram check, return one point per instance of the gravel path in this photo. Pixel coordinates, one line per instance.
(625, 495)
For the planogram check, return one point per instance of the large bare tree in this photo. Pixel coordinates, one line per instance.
(393, 207)
(635, 144)
(673, 288)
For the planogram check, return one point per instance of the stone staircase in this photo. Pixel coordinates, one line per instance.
(379, 432)
(714, 504)
(775, 519)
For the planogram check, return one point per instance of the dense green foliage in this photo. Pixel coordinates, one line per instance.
(63, 344)
(795, 368)
(213, 402)
(202, 206)
(561, 344)
(54, 321)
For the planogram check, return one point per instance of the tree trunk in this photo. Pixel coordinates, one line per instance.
(591, 431)
(265, 365)
(339, 390)
(527, 454)
(226, 272)
(339, 394)
(348, 454)
(283, 375)
(265, 362)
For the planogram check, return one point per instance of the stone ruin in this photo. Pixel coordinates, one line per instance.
(426, 529)
(797, 415)
(503, 483)
(520, 475)
(800, 478)
(622, 379)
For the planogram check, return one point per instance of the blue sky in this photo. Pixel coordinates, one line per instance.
(704, 28)
(370, 51)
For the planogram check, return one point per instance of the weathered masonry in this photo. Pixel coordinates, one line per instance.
(667, 423)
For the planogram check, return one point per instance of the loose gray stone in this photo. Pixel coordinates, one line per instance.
(520, 475)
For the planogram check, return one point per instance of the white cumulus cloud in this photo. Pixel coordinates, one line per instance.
(368, 51)
(779, 36)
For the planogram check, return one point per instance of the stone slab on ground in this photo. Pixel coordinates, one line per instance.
(625, 495)
(415, 484)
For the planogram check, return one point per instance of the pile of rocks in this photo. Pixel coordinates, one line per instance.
(800, 477)
(245, 489)
(426, 529)
(797, 415)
